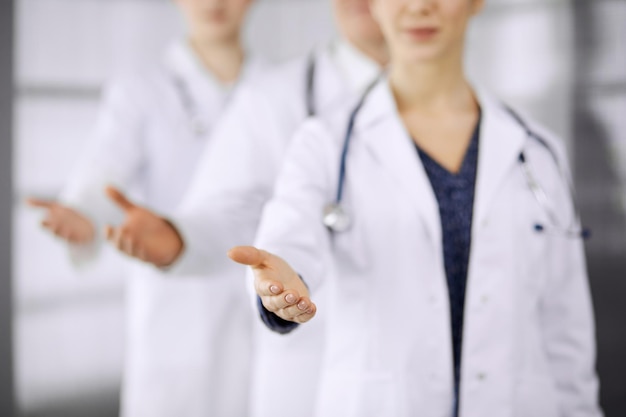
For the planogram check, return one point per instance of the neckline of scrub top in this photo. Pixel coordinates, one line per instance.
(183, 60)
(466, 165)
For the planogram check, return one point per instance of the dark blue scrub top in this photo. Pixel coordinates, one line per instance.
(455, 197)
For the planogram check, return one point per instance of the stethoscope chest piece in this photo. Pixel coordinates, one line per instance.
(335, 218)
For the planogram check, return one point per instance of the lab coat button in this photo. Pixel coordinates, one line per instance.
(481, 376)
(484, 299)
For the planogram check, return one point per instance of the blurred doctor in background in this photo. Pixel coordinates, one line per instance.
(182, 357)
(236, 177)
(443, 225)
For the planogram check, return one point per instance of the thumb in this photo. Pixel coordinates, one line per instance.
(119, 198)
(36, 202)
(248, 255)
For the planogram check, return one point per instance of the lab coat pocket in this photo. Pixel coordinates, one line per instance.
(535, 397)
(358, 394)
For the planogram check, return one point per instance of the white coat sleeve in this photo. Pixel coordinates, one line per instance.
(113, 156)
(234, 178)
(568, 323)
(291, 226)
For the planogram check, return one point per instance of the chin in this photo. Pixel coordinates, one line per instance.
(422, 54)
(369, 32)
(217, 34)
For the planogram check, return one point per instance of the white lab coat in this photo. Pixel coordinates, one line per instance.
(183, 358)
(528, 346)
(224, 203)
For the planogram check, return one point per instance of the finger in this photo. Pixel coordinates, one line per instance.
(297, 309)
(141, 253)
(248, 255)
(307, 315)
(128, 244)
(63, 232)
(47, 224)
(118, 198)
(119, 237)
(113, 236)
(267, 287)
(54, 227)
(36, 202)
(109, 231)
(75, 239)
(279, 302)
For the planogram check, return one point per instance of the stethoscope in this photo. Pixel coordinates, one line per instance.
(197, 125)
(337, 220)
(310, 86)
(571, 230)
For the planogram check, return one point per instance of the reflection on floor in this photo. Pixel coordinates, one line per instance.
(607, 275)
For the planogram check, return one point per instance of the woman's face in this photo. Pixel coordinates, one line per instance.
(424, 30)
(214, 20)
(355, 21)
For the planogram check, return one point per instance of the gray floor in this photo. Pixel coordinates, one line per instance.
(103, 405)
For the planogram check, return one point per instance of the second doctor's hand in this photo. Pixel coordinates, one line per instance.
(143, 234)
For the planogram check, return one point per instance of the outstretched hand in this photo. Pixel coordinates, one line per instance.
(143, 234)
(64, 222)
(280, 288)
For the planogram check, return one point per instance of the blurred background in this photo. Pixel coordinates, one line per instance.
(561, 61)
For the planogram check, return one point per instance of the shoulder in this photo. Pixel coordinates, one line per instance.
(276, 95)
(544, 140)
(142, 87)
(325, 133)
(282, 83)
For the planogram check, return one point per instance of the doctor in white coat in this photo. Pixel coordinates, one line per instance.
(455, 266)
(236, 176)
(182, 357)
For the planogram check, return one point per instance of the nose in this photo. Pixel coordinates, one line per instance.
(423, 7)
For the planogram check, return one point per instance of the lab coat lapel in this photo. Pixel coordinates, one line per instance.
(207, 92)
(329, 87)
(501, 141)
(392, 146)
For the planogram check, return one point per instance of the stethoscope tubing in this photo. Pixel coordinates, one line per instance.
(338, 220)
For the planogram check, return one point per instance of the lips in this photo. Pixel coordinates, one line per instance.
(215, 15)
(423, 33)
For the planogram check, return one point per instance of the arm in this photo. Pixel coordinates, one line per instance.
(569, 332)
(233, 180)
(221, 208)
(567, 316)
(291, 228)
(113, 155)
